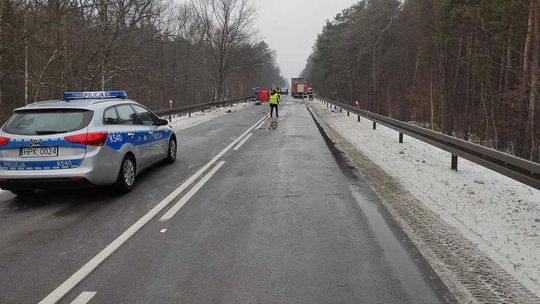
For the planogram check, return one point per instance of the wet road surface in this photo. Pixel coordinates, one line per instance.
(275, 216)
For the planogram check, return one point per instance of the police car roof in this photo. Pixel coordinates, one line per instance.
(88, 104)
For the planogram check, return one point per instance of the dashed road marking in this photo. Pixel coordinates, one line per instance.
(91, 265)
(163, 230)
(174, 209)
(260, 125)
(242, 142)
(84, 297)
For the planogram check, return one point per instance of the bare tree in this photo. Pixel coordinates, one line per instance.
(156, 50)
(224, 27)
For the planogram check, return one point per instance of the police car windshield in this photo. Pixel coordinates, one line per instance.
(45, 122)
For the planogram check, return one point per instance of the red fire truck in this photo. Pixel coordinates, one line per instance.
(299, 87)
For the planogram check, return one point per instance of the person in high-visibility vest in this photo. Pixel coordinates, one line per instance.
(274, 103)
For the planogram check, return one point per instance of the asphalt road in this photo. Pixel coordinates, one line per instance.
(275, 216)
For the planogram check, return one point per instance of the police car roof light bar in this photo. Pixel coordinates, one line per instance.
(94, 95)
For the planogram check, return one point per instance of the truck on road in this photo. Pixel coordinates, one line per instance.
(299, 87)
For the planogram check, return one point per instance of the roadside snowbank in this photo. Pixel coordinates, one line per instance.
(184, 122)
(501, 216)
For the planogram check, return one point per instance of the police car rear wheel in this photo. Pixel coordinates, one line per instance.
(171, 153)
(126, 177)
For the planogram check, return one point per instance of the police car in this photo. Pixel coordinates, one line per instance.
(96, 138)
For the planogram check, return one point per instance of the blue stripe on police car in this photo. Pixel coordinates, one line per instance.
(118, 139)
(40, 165)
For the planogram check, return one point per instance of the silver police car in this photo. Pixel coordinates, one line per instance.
(96, 138)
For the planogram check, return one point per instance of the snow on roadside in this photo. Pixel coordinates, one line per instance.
(184, 122)
(500, 215)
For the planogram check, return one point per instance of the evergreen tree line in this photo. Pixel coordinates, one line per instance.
(465, 68)
(157, 51)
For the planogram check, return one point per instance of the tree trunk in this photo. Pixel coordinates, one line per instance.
(443, 106)
(508, 64)
(26, 64)
(454, 89)
(534, 79)
(467, 86)
(493, 122)
(484, 109)
(416, 69)
(103, 51)
(374, 76)
(458, 65)
(431, 100)
(523, 142)
(388, 102)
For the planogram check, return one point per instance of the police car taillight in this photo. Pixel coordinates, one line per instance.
(4, 141)
(89, 139)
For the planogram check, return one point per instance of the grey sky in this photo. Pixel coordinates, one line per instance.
(291, 27)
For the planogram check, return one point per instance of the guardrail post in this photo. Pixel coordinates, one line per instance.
(170, 107)
(454, 162)
(358, 117)
(347, 113)
(189, 114)
(374, 126)
(400, 138)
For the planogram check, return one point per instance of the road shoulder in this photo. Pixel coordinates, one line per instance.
(469, 274)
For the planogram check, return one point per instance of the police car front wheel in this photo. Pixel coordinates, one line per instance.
(127, 175)
(171, 153)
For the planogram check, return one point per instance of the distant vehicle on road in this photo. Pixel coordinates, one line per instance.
(264, 95)
(89, 138)
(299, 87)
(256, 92)
(284, 91)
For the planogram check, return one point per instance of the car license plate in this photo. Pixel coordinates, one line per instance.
(38, 152)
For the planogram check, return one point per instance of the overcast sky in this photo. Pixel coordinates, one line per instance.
(291, 27)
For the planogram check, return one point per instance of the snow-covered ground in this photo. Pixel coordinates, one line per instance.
(500, 215)
(184, 122)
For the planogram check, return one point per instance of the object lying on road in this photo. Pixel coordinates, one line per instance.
(336, 110)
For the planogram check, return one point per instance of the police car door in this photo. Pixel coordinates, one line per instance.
(152, 135)
(135, 131)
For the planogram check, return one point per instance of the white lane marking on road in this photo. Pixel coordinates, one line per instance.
(174, 209)
(87, 268)
(84, 297)
(260, 125)
(242, 142)
(163, 230)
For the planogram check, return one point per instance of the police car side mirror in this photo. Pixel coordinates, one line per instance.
(162, 122)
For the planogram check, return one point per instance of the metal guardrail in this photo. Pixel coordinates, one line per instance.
(519, 169)
(198, 107)
(185, 109)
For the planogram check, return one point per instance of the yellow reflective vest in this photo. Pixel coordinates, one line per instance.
(274, 99)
